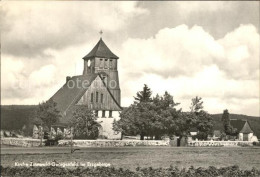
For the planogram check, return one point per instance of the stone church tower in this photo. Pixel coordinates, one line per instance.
(97, 88)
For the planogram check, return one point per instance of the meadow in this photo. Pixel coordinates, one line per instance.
(132, 157)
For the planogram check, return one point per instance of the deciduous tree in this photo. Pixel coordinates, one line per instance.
(201, 119)
(84, 123)
(48, 113)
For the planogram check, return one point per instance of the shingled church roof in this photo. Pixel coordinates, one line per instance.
(68, 95)
(71, 92)
(101, 50)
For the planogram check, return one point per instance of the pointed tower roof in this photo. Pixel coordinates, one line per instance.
(101, 50)
(246, 128)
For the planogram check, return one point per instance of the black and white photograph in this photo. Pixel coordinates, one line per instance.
(130, 88)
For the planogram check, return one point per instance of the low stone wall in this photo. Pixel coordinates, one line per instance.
(220, 143)
(22, 142)
(113, 143)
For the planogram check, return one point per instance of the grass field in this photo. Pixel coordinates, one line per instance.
(132, 157)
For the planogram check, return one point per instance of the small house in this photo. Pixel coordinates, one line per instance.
(193, 131)
(244, 130)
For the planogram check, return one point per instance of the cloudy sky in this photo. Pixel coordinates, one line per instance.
(206, 49)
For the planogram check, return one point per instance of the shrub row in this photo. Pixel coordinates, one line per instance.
(232, 171)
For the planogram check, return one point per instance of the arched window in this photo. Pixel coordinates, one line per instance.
(89, 62)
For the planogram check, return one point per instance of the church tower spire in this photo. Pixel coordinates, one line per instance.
(101, 60)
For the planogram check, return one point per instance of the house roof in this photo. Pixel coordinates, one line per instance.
(242, 126)
(237, 123)
(246, 128)
(69, 94)
(101, 50)
(193, 129)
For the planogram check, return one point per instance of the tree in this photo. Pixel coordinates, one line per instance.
(159, 117)
(144, 95)
(196, 104)
(229, 130)
(153, 119)
(135, 120)
(204, 124)
(200, 118)
(48, 113)
(84, 123)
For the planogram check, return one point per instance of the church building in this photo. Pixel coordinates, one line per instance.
(97, 88)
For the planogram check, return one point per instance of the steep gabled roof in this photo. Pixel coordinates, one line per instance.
(101, 50)
(246, 128)
(193, 129)
(68, 95)
(238, 124)
(242, 126)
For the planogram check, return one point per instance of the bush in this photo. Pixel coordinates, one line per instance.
(232, 171)
(51, 142)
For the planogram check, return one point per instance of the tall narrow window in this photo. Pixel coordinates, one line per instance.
(110, 64)
(92, 95)
(101, 63)
(103, 114)
(106, 64)
(96, 113)
(101, 98)
(110, 114)
(96, 96)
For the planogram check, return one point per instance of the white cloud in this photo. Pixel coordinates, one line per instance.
(241, 47)
(43, 76)
(190, 62)
(31, 27)
(173, 51)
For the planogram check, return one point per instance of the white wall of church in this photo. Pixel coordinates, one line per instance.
(107, 125)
